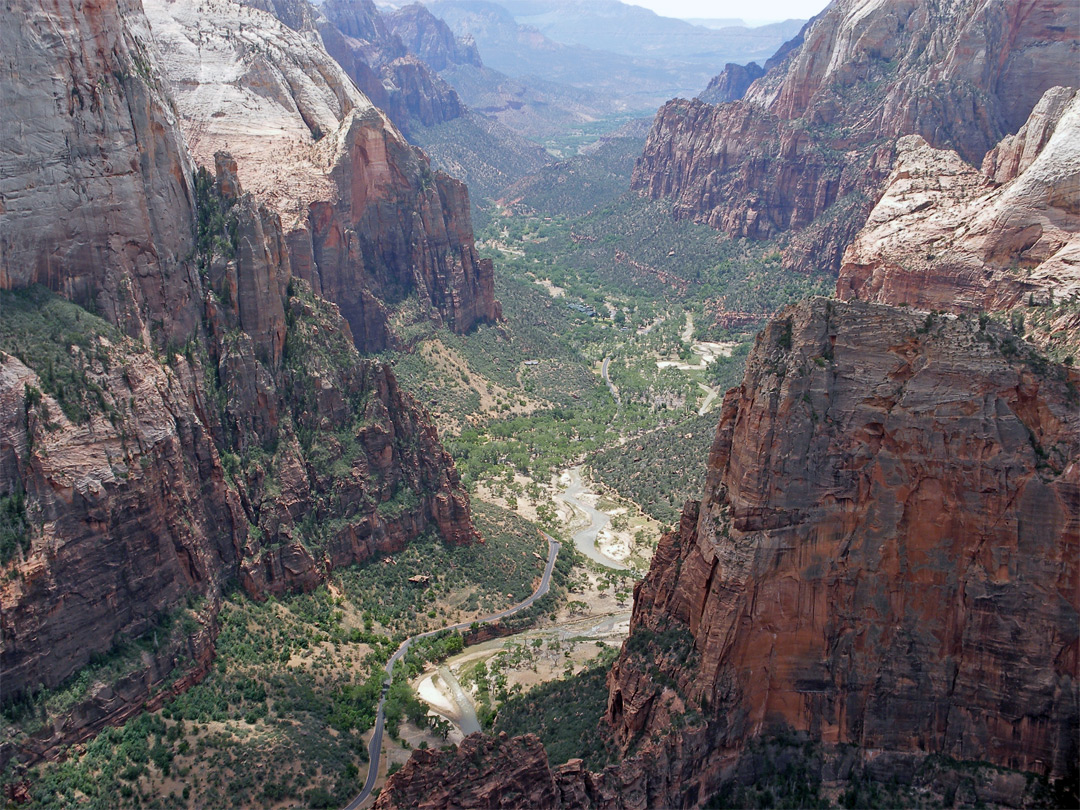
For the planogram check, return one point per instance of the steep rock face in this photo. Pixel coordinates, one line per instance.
(421, 96)
(732, 83)
(236, 433)
(886, 550)
(96, 194)
(366, 220)
(392, 479)
(945, 236)
(825, 116)
(129, 513)
(385, 66)
(271, 457)
(703, 156)
(431, 39)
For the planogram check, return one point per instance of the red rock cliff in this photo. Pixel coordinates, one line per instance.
(811, 140)
(238, 421)
(886, 552)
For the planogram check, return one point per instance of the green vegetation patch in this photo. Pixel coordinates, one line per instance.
(62, 343)
(14, 528)
(486, 576)
(659, 470)
(567, 715)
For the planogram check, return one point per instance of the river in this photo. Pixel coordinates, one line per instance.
(585, 538)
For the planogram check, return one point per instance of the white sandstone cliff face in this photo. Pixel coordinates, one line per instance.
(247, 84)
(95, 191)
(366, 220)
(946, 236)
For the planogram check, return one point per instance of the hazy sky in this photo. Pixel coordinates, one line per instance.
(758, 10)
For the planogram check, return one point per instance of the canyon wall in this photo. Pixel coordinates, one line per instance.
(809, 143)
(95, 181)
(206, 416)
(882, 572)
(885, 554)
(367, 221)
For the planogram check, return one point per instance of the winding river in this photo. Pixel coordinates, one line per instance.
(585, 538)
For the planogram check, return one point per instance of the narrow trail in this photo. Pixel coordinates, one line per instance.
(375, 746)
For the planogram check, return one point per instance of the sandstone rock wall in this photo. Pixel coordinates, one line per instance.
(393, 58)
(366, 219)
(732, 83)
(238, 423)
(431, 39)
(129, 514)
(94, 176)
(886, 551)
(946, 236)
(813, 137)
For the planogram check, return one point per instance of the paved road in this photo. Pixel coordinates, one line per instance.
(375, 746)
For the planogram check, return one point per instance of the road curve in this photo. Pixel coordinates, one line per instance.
(375, 746)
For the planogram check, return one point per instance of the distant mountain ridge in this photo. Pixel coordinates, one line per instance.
(803, 153)
(630, 30)
(576, 44)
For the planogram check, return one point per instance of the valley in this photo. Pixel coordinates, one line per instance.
(416, 406)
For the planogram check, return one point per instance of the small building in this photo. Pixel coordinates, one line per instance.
(423, 580)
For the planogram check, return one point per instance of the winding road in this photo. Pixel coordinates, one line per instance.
(375, 746)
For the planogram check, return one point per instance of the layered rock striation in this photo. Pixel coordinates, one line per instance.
(810, 142)
(367, 222)
(214, 421)
(947, 236)
(885, 554)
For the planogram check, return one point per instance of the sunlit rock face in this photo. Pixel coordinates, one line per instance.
(948, 236)
(95, 180)
(366, 220)
(810, 142)
(886, 550)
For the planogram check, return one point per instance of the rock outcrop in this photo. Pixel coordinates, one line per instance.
(732, 83)
(129, 513)
(947, 236)
(885, 553)
(483, 772)
(431, 39)
(366, 220)
(811, 140)
(397, 75)
(217, 422)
